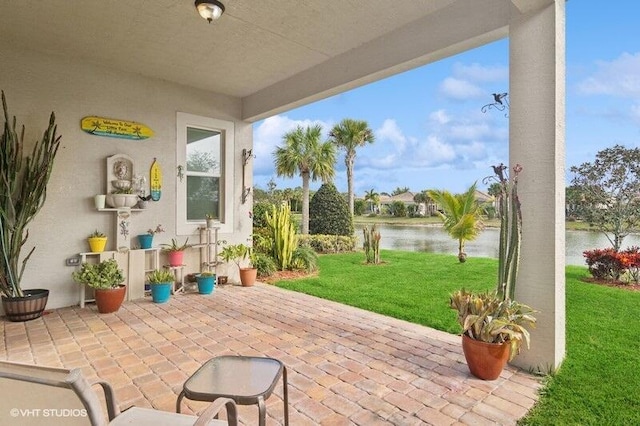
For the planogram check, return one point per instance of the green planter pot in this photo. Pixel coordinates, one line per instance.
(161, 292)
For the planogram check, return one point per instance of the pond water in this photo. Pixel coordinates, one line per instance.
(433, 239)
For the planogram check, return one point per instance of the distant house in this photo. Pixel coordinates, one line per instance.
(406, 198)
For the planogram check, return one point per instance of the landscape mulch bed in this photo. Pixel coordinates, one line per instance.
(287, 275)
(617, 284)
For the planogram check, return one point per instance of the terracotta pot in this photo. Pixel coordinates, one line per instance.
(175, 258)
(109, 300)
(25, 308)
(485, 360)
(248, 276)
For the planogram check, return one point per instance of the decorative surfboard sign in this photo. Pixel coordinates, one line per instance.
(114, 128)
(155, 183)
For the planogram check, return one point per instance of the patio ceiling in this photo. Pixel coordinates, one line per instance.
(274, 54)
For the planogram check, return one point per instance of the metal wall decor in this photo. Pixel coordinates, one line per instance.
(500, 102)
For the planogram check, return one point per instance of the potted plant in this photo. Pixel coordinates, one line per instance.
(146, 240)
(494, 325)
(227, 254)
(97, 241)
(23, 191)
(206, 282)
(161, 281)
(249, 273)
(239, 253)
(175, 251)
(106, 280)
(211, 220)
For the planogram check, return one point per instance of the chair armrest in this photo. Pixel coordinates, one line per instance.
(214, 409)
(112, 407)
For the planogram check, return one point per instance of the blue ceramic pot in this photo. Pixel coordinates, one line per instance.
(145, 241)
(161, 292)
(206, 285)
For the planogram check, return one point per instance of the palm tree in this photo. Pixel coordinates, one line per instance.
(304, 153)
(348, 135)
(495, 190)
(372, 197)
(461, 217)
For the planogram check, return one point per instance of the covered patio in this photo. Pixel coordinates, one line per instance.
(346, 366)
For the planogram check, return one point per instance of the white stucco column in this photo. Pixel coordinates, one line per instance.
(537, 142)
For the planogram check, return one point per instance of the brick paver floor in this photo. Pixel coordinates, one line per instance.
(346, 366)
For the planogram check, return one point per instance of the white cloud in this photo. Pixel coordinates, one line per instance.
(620, 77)
(391, 132)
(455, 88)
(439, 117)
(432, 152)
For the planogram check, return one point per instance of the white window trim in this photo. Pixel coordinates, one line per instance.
(227, 130)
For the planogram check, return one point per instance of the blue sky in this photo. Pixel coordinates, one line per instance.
(430, 132)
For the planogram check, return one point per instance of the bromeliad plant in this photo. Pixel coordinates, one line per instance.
(489, 319)
(23, 191)
(496, 317)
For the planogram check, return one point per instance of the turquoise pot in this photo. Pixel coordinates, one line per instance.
(145, 241)
(206, 285)
(160, 293)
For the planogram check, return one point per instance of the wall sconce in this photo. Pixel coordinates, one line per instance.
(246, 156)
(210, 9)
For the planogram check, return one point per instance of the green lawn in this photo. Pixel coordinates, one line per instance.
(599, 382)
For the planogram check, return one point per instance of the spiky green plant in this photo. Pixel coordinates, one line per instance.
(23, 191)
(283, 233)
(371, 244)
(510, 230)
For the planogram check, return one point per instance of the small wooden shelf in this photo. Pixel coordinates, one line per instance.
(115, 209)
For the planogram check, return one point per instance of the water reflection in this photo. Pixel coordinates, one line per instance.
(433, 239)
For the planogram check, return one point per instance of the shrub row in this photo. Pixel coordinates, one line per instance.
(610, 265)
(329, 243)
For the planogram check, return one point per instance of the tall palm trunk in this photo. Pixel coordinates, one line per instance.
(348, 161)
(305, 202)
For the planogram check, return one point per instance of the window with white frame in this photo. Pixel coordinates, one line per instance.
(204, 184)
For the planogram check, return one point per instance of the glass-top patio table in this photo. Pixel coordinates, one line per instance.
(247, 380)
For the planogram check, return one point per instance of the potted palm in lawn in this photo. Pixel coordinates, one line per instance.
(105, 278)
(23, 191)
(161, 281)
(461, 216)
(494, 325)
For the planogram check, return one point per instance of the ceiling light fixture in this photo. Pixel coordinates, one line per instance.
(210, 9)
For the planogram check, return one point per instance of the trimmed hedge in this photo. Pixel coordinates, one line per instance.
(329, 212)
(329, 243)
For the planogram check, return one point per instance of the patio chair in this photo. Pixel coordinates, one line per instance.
(35, 395)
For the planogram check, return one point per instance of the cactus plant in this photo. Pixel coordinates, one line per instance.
(283, 233)
(371, 244)
(510, 230)
(23, 191)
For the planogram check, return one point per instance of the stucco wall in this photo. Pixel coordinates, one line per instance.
(36, 84)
